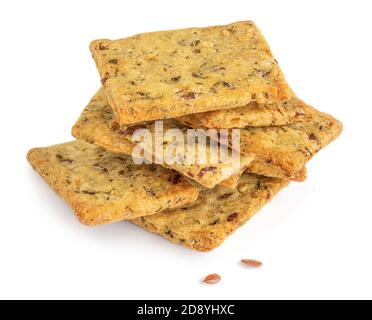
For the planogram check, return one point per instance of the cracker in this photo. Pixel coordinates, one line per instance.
(267, 170)
(169, 74)
(234, 180)
(286, 150)
(217, 213)
(300, 176)
(282, 152)
(102, 187)
(96, 125)
(208, 174)
(253, 115)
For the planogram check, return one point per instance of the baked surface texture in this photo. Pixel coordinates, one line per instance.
(94, 124)
(234, 180)
(103, 188)
(170, 74)
(253, 115)
(217, 213)
(282, 152)
(97, 125)
(300, 176)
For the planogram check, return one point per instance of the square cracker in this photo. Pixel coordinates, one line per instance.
(102, 187)
(283, 151)
(96, 125)
(217, 213)
(169, 74)
(253, 115)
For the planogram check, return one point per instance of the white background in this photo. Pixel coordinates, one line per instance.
(314, 239)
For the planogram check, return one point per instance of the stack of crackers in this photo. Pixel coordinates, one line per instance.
(222, 78)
